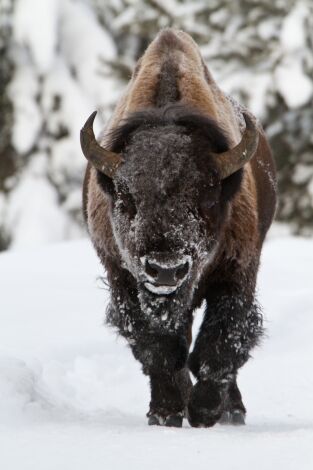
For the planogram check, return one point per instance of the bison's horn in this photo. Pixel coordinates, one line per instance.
(103, 160)
(234, 159)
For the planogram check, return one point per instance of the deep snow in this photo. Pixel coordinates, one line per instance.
(72, 396)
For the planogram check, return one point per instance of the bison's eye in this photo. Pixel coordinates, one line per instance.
(105, 183)
(206, 205)
(126, 205)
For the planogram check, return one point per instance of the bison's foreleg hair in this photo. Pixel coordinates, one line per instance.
(163, 358)
(232, 326)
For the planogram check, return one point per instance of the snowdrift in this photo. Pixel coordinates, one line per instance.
(72, 396)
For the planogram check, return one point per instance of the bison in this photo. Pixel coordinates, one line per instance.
(178, 196)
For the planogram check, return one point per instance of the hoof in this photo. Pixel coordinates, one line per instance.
(205, 405)
(202, 418)
(225, 418)
(175, 421)
(236, 417)
(154, 420)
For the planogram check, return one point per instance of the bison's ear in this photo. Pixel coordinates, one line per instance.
(231, 161)
(103, 160)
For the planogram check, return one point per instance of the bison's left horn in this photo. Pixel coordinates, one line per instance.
(234, 159)
(103, 160)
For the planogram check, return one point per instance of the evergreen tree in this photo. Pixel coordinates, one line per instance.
(259, 51)
(51, 84)
(74, 56)
(7, 152)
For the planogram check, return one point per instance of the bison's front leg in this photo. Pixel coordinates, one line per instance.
(163, 358)
(231, 328)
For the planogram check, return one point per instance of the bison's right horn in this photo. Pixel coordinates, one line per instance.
(234, 159)
(103, 160)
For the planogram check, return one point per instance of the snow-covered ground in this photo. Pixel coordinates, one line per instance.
(72, 396)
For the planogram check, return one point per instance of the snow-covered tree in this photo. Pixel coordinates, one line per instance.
(7, 153)
(261, 52)
(62, 59)
(55, 49)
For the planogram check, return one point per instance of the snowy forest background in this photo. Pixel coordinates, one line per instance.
(62, 59)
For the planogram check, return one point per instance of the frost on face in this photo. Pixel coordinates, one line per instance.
(160, 290)
(156, 220)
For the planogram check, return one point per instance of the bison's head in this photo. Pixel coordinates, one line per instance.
(169, 175)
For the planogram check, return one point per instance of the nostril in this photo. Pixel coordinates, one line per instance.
(182, 271)
(150, 270)
(165, 273)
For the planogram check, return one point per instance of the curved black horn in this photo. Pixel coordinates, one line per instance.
(103, 160)
(235, 158)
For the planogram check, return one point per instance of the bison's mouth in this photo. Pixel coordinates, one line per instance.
(159, 289)
(163, 273)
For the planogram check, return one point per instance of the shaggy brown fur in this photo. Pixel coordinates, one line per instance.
(172, 73)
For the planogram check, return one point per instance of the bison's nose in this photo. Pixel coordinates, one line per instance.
(166, 275)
